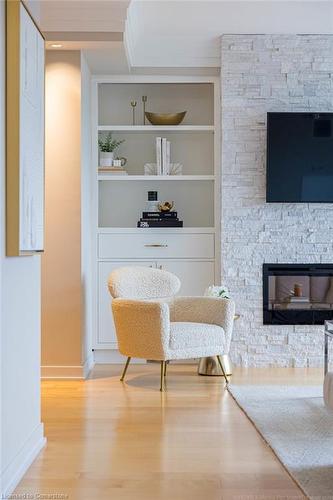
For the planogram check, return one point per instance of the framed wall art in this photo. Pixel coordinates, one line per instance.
(24, 132)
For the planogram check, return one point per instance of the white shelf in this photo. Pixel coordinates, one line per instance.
(135, 230)
(113, 177)
(156, 128)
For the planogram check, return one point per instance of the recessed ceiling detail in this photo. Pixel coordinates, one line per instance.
(141, 34)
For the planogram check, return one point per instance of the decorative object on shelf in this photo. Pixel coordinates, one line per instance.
(165, 118)
(133, 104)
(107, 147)
(176, 169)
(159, 155)
(160, 223)
(163, 156)
(217, 291)
(153, 217)
(120, 161)
(152, 203)
(144, 100)
(106, 159)
(151, 169)
(166, 206)
(159, 215)
(112, 171)
(117, 167)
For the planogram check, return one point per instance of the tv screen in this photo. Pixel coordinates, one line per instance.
(299, 157)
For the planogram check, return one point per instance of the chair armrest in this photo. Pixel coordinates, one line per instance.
(142, 328)
(211, 310)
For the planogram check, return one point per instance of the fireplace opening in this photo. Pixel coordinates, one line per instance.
(297, 294)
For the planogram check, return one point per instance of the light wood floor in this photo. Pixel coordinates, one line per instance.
(108, 440)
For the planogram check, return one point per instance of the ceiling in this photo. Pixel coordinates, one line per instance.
(119, 36)
(79, 15)
(187, 33)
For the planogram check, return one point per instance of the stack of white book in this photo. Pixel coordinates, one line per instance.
(163, 156)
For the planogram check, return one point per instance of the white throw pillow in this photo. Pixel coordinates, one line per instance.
(328, 391)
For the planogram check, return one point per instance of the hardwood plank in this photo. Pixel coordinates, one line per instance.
(108, 439)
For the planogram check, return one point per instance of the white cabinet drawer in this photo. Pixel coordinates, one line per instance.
(157, 246)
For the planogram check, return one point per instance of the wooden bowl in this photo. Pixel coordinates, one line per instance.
(165, 118)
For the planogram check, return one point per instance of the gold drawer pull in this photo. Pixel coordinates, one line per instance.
(156, 245)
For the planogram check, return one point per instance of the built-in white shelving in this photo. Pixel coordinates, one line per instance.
(191, 251)
(176, 178)
(156, 128)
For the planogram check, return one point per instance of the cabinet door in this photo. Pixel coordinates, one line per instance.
(195, 276)
(106, 329)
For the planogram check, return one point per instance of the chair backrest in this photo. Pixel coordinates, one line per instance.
(142, 283)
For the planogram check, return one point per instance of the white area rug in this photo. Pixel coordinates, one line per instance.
(297, 426)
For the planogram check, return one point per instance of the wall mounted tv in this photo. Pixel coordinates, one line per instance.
(299, 158)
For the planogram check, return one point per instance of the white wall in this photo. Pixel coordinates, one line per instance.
(66, 263)
(21, 428)
(61, 261)
(86, 207)
(2, 193)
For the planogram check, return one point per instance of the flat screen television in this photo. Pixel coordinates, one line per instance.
(299, 158)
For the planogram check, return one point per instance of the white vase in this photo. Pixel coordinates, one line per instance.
(106, 159)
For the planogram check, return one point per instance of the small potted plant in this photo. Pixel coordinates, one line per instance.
(107, 147)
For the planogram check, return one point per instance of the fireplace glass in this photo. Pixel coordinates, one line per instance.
(297, 294)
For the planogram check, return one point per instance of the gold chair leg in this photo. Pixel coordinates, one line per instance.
(162, 387)
(125, 369)
(165, 368)
(221, 366)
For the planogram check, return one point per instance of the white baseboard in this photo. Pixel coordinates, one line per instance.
(72, 372)
(88, 365)
(113, 356)
(13, 473)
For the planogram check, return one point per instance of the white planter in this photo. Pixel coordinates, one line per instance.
(106, 159)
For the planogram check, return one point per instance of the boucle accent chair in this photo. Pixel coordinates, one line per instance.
(151, 323)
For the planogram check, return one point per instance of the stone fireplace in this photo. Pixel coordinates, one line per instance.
(260, 74)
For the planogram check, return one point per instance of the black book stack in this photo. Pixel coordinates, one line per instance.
(160, 219)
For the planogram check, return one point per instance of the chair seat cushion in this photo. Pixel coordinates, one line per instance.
(185, 335)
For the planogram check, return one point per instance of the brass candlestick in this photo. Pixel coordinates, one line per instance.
(144, 100)
(133, 104)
